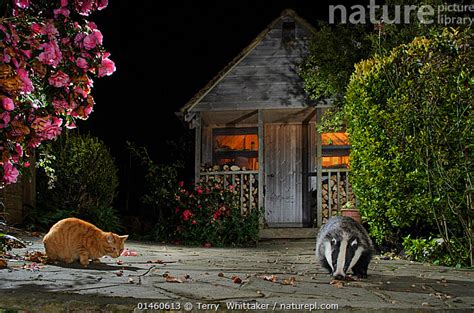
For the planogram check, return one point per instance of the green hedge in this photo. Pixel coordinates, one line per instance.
(410, 123)
(79, 179)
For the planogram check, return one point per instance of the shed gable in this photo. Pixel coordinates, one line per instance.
(264, 75)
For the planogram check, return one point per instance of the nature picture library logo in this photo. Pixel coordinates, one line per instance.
(445, 14)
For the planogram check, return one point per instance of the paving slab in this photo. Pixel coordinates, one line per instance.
(165, 277)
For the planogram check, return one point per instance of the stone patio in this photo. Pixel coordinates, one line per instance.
(178, 278)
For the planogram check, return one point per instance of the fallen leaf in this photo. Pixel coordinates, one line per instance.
(290, 281)
(236, 279)
(272, 278)
(337, 283)
(3, 263)
(127, 252)
(32, 267)
(119, 262)
(220, 274)
(171, 279)
(36, 256)
(119, 273)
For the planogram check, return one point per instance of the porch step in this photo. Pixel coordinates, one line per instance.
(288, 233)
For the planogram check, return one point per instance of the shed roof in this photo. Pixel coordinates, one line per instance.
(263, 75)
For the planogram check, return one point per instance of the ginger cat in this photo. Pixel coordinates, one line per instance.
(73, 239)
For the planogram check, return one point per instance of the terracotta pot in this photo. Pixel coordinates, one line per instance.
(354, 213)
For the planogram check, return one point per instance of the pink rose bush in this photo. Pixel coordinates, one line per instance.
(209, 213)
(49, 57)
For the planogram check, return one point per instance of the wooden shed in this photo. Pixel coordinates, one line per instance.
(255, 128)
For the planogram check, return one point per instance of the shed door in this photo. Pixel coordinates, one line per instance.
(283, 175)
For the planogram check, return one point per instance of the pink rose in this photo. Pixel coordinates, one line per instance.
(50, 30)
(82, 63)
(52, 128)
(106, 67)
(84, 7)
(93, 39)
(47, 128)
(51, 54)
(62, 11)
(59, 79)
(22, 4)
(36, 28)
(102, 4)
(8, 104)
(10, 173)
(78, 39)
(27, 85)
(4, 119)
(60, 104)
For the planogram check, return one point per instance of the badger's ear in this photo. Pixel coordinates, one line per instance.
(354, 243)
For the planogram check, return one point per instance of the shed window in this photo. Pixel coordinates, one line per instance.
(335, 148)
(236, 146)
(288, 34)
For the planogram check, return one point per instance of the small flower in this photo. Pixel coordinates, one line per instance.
(194, 222)
(187, 214)
(59, 79)
(10, 173)
(8, 104)
(106, 67)
(92, 40)
(199, 191)
(82, 63)
(181, 183)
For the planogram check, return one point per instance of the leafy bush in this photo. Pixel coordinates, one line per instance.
(432, 250)
(160, 185)
(410, 122)
(210, 214)
(83, 182)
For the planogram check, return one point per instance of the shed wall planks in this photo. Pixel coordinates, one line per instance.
(283, 169)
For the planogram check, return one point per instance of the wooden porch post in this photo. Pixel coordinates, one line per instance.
(197, 155)
(319, 176)
(261, 172)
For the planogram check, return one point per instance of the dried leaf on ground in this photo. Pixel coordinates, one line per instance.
(220, 274)
(3, 263)
(119, 273)
(172, 279)
(119, 262)
(32, 267)
(290, 281)
(272, 278)
(36, 256)
(236, 279)
(337, 283)
(128, 252)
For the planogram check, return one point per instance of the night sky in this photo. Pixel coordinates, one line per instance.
(164, 54)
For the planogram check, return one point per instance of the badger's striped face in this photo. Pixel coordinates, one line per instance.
(342, 253)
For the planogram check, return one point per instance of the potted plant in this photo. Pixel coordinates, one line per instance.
(350, 210)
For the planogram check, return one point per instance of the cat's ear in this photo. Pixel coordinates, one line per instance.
(110, 238)
(124, 237)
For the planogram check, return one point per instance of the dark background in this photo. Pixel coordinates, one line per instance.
(164, 53)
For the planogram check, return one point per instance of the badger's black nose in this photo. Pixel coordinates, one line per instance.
(339, 277)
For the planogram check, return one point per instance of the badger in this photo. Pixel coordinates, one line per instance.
(343, 246)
